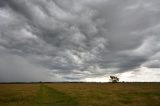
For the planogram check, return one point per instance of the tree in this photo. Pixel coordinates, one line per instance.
(114, 79)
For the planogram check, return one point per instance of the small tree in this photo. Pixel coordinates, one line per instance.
(114, 79)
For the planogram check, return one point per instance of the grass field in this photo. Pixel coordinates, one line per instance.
(80, 94)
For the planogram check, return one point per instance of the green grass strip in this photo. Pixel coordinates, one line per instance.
(47, 96)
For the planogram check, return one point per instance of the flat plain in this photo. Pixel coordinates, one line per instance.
(80, 94)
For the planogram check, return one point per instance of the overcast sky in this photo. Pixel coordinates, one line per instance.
(79, 40)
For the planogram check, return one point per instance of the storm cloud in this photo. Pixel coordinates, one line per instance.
(79, 40)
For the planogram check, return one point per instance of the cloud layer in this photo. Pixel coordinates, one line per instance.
(78, 40)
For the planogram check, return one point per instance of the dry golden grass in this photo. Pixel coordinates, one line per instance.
(32, 95)
(80, 94)
(17, 94)
(112, 94)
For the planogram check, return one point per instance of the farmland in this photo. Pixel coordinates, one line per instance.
(80, 94)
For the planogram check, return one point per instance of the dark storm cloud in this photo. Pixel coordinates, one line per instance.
(72, 40)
